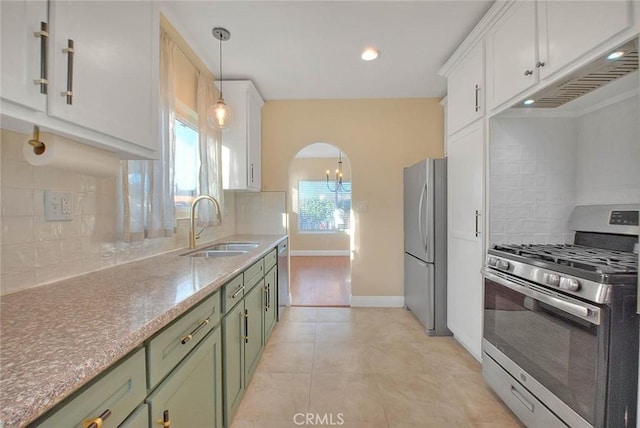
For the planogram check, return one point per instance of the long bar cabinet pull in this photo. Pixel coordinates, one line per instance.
(188, 337)
(97, 422)
(238, 291)
(266, 298)
(165, 421)
(477, 223)
(70, 51)
(246, 326)
(477, 93)
(43, 35)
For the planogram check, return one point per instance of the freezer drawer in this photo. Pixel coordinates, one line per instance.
(419, 292)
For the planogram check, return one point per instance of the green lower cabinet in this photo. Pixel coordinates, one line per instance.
(138, 419)
(270, 303)
(233, 346)
(254, 334)
(191, 396)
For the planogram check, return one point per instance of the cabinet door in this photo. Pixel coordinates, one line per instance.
(138, 419)
(113, 68)
(233, 345)
(569, 29)
(465, 175)
(465, 90)
(255, 330)
(191, 395)
(21, 52)
(512, 53)
(254, 141)
(270, 305)
(119, 391)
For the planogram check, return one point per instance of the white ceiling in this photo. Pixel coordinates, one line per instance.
(311, 49)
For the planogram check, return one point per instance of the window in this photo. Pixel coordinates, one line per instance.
(320, 209)
(187, 161)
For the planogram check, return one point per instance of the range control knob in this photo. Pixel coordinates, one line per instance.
(502, 265)
(552, 279)
(569, 284)
(492, 261)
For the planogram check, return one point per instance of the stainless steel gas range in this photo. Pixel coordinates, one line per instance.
(560, 342)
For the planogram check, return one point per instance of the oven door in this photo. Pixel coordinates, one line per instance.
(555, 339)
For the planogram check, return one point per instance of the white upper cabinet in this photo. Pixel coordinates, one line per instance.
(465, 90)
(512, 53)
(569, 29)
(533, 42)
(102, 67)
(242, 144)
(23, 51)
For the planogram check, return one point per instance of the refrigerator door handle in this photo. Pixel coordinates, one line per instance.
(423, 238)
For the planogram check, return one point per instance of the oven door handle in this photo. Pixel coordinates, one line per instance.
(591, 314)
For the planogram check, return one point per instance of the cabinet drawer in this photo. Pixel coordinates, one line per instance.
(232, 293)
(253, 275)
(120, 391)
(270, 260)
(169, 347)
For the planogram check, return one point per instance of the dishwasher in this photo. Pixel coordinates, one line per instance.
(284, 296)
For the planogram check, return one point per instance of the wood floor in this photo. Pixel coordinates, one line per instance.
(320, 281)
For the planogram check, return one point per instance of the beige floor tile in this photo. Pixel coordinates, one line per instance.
(339, 332)
(273, 398)
(334, 315)
(397, 358)
(342, 357)
(293, 331)
(287, 357)
(300, 314)
(355, 396)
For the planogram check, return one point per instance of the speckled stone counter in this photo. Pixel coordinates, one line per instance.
(57, 337)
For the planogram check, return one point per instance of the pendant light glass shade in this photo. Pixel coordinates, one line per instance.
(220, 115)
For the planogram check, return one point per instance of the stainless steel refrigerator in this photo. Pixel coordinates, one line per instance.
(425, 244)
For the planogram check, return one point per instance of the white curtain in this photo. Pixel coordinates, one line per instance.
(148, 198)
(210, 177)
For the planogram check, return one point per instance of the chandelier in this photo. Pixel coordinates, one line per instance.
(339, 185)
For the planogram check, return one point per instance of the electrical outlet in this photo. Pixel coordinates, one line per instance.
(58, 206)
(362, 206)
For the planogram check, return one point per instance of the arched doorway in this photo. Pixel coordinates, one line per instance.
(320, 225)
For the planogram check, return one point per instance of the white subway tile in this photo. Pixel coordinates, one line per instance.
(46, 178)
(48, 253)
(17, 230)
(17, 202)
(71, 249)
(12, 282)
(18, 258)
(17, 174)
(47, 230)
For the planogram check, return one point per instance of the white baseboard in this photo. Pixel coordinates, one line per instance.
(377, 301)
(319, 253)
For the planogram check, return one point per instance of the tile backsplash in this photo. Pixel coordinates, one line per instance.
(34, 251)
(541, 168)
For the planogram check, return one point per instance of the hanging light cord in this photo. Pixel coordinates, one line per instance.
(221, 67)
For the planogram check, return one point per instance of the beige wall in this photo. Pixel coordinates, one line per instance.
(314, 169)
(379, 137)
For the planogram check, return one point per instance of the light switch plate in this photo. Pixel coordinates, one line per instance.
(58, 206)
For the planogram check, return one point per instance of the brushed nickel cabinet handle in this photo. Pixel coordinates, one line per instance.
(70, 51)
(96, 422)
(528, 72)
(477, 93)
(43, 35)
(188, 337)
(477, 223)
(238, 291)
(539, 64)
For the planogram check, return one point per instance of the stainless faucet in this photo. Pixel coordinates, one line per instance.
(192, 231)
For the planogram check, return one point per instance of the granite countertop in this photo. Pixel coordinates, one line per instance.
(56, 338)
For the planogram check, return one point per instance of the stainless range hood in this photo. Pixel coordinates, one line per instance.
(588, 78)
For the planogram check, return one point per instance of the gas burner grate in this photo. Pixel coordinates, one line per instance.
(579, 257)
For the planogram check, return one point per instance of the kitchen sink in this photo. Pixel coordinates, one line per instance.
(216, 253)
(233, 246)
(224, 249)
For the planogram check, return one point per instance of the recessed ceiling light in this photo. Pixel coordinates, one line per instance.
(369, 54)
(615, 55)
(529, 102)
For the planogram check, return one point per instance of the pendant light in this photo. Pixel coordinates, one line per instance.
(220, 115)
(339, 185)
